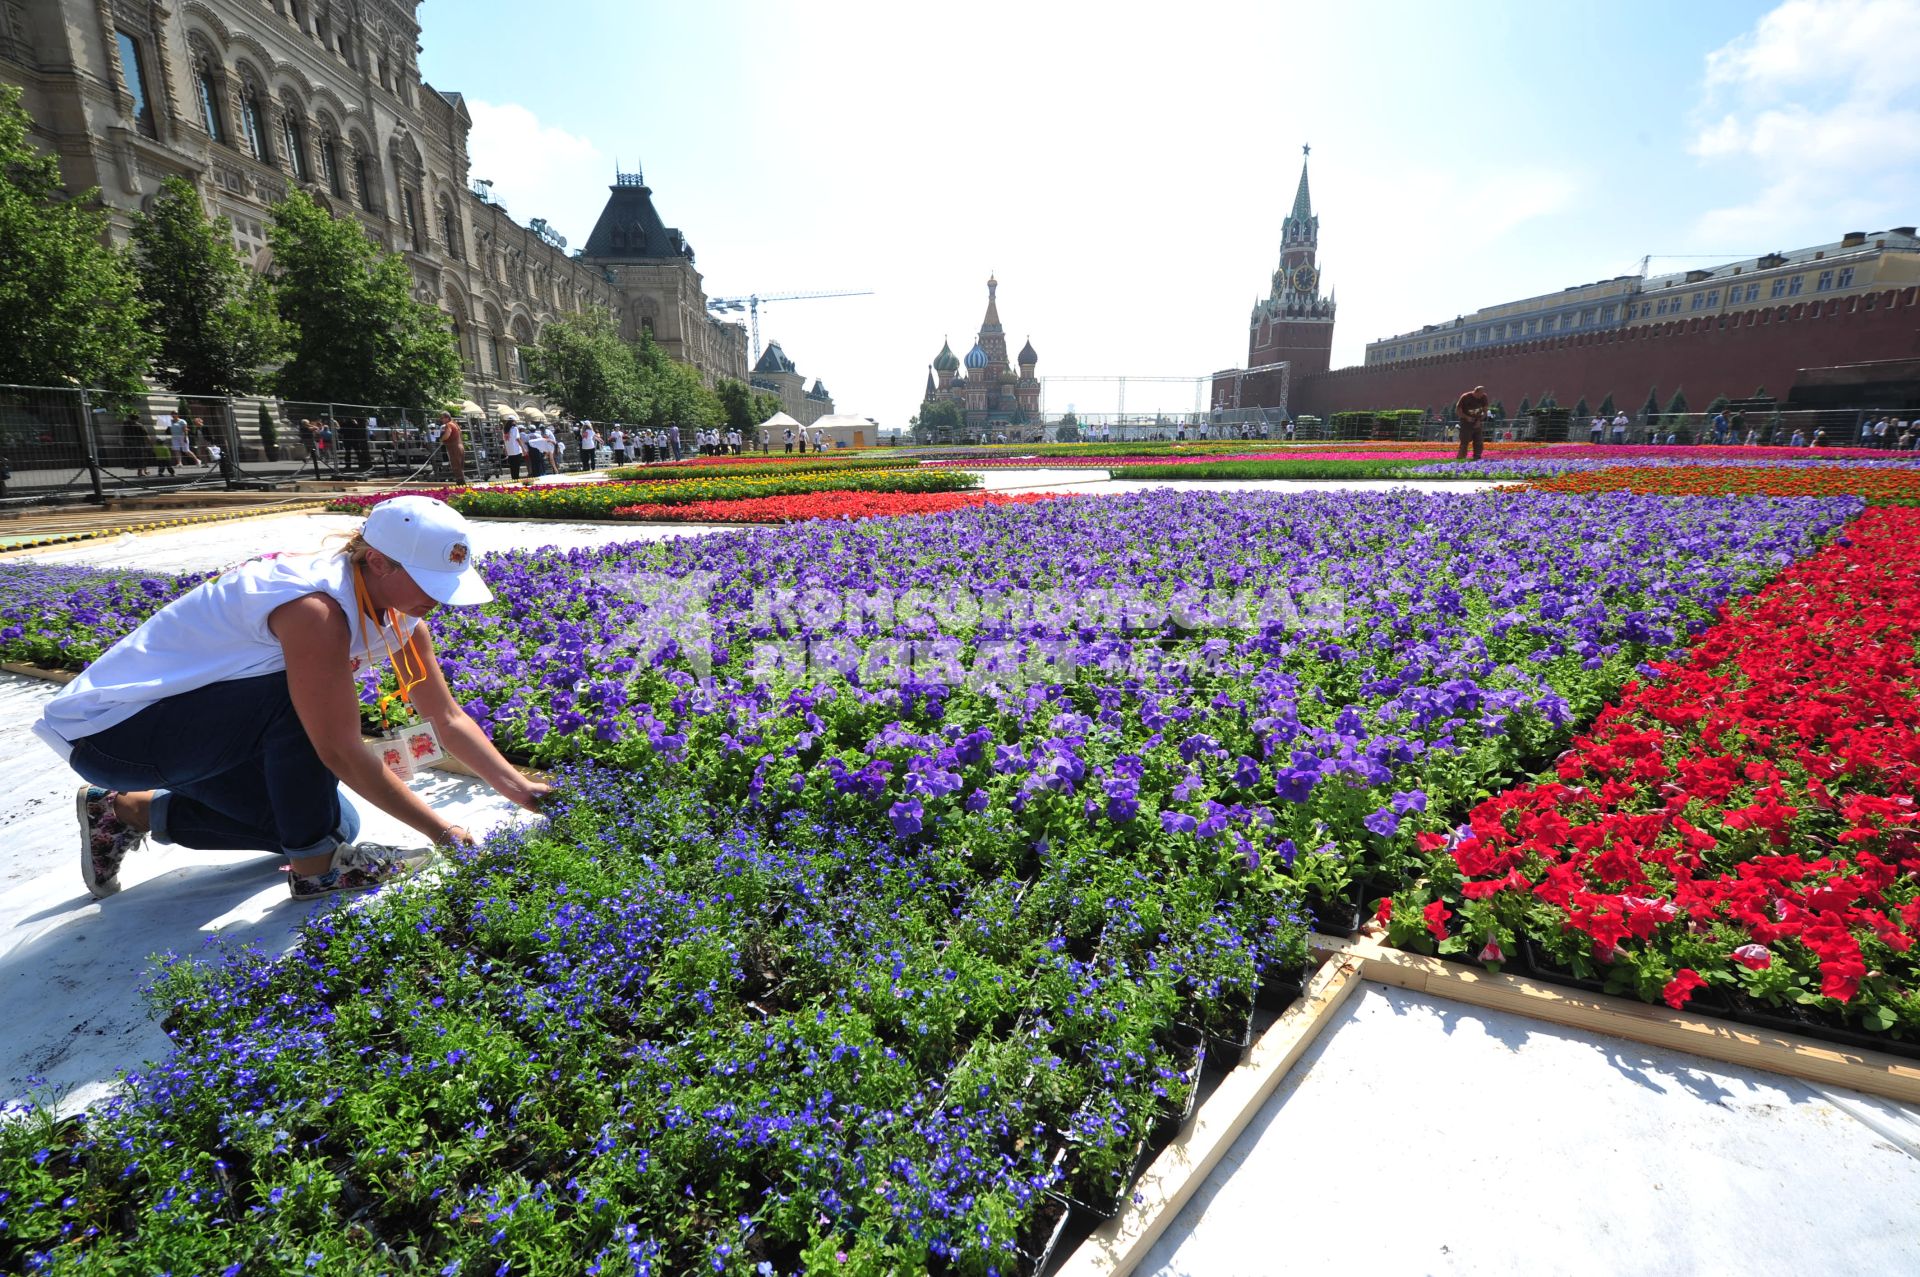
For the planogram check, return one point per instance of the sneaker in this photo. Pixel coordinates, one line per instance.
(104, 840)
(360, 867)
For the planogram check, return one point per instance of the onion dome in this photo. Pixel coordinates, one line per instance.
(1026, 353)
(976, 358)
(1008, 377)
(946, 360)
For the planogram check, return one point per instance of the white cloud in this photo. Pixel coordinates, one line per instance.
(1814, 113)
(538, 170)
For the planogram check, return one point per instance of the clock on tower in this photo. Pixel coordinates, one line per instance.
(1303, 280)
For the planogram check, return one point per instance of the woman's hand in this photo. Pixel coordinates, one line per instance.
(528, 793)
(456, 836)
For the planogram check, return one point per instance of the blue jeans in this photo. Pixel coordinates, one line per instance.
(230, 767)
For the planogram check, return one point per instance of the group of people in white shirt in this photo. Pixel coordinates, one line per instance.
(819, 440)
(719, 443)
(537, 447)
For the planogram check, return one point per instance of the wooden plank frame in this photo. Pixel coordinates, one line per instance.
(1118, 1246)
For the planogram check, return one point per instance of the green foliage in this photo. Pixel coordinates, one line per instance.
(269, 433)
(1677, 407)
(942, 422)
(1526, 406)
(581, 363)
(213, 320)
(355, 332)
(69, 311)
(674, 393)
(766, 405)
(1581, 410)
(1606, 405)
(1499, 410)
(736, 401)
(1650, 410)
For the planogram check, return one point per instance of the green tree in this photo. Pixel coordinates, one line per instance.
(942, 422)
(1677, 406)
(69, 310)
(1581, 411)
(580, 363)
(213, 319)
(1650, 410)
(355, 334)
(1719, 403)
(676, 396)
(1526, 406)
(1606, 405)
(1499, 410)
(736, 401)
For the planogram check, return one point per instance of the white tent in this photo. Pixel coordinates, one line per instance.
(843, 430)
(779, 421)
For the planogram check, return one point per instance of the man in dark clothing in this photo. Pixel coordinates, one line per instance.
(1472, 411)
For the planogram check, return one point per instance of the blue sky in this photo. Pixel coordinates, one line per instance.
(1124, 168)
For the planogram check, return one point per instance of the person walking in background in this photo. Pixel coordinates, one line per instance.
(1596, 429)
(617, 440)
(1620, 423)
(514, 444)
(177, 440)
(673, 441)
(310, 440)
(787, 434)
(1471, 409)
(589, 446)
(136, 444)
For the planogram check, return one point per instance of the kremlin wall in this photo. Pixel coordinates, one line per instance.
(1732, 355)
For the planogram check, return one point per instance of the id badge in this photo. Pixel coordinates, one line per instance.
(391, 753)
(421, 744)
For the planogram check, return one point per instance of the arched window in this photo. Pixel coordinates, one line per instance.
(133, 75)
(253, 126)
(490, 348)
(330, 166)
(363, 175)
(410, 214)
(450, 232)
(520, 370)
(294, 145)
(212, 118)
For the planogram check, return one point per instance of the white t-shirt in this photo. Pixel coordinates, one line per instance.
(177, 433)
(513, 445)
(214, 633)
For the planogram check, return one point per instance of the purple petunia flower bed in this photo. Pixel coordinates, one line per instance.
(902, 873)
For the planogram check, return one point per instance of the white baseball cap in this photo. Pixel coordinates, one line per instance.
(429, 539)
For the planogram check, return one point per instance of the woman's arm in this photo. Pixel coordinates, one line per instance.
(462, 736)
(313, 633)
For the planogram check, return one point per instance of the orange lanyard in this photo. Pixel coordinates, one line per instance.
(409, 673)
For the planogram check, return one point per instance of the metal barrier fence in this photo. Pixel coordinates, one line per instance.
(70, 441)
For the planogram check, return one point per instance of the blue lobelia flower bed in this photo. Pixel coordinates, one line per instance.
(911, 860)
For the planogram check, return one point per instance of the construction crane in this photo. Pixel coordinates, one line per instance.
(752, 302)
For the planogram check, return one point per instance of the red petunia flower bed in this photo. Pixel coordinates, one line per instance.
(824, 505)
(1738, 834)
